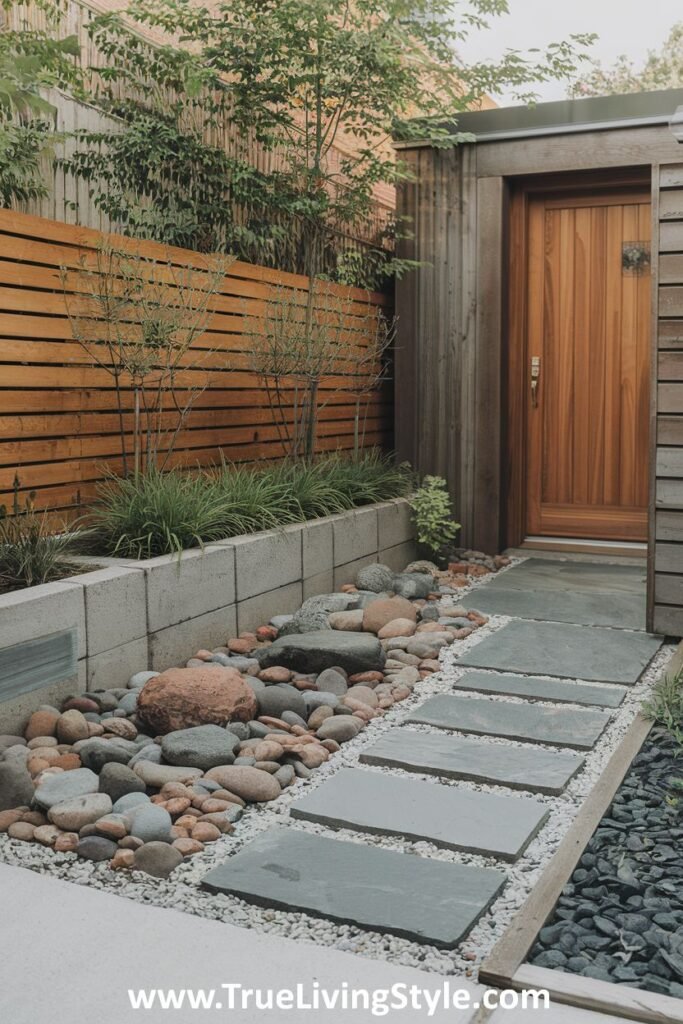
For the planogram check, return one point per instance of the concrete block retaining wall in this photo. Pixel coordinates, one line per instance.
(131, 615)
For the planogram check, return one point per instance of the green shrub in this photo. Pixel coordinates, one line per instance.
(161, 513)
(433, 516)
(31, 553)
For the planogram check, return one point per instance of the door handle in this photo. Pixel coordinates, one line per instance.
(535, 377)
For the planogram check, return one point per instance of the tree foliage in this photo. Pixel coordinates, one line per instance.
(30, 62)
(663, 69)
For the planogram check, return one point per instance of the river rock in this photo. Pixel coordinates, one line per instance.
(333, 680)
(181, 698)
(151, 823)
(274, 700)
(16, 787)
(397, 627)
(314, 652)
(375, 577)
(413, 585)
(379, 613)
(203, 746)
(72, 815)
(350, 621)
(96, 848)
(42, 723)
(71, 727)
(157, 775)
(157, 859)
(340, 728)
(95, 753)
(65, 786)
(248, 783)
(126, 803)
(117, 780)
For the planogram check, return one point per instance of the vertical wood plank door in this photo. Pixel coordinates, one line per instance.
(588, 330)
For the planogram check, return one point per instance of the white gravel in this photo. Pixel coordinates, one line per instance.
(182, 891)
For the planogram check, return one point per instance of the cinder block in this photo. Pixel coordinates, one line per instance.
(115, 608)
(395, 525)
(266, 561)
(399, 556)
(256, 611)
(321, 583)
(318, 547)
(115, 667)
(14, 714)
(347, 573)
(49, 608)
(198, 582)
(176, 644)
(355, 535)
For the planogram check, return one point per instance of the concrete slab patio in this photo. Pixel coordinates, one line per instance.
(99, 946)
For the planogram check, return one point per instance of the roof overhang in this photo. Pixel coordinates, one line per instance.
(565, 117)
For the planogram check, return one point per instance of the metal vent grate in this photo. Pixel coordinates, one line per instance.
(35, 663)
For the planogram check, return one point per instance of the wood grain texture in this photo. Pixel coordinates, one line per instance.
(58, 423)
(589, 323)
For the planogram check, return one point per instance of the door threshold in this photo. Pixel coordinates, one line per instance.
(578, 545)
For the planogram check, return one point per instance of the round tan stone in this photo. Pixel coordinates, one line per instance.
(220, 821)
(397, 627)
(95, 729)
(68, 762)
(364, 694)
(312, 755)
(130, 843)
(275, 674)
(66, 842)
(274, 723)
(241, 645)
(41, 723)
(42, 741)
(47, 835)
(379, 613)
(249, 783)
(188, 846)
(179, 833)
(268, 750)
(213, 806)
(177, 805)
(36, 765)
(34, 818)
(72, 726)
(186, 822)
(225, 794)
(184, 697)
(123, 859)
(120, 727)
(205, 832)
(21, 830)
(8, 818)
(174, 789)
(317, 717)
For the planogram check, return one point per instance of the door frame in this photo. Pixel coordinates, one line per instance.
(514, 420)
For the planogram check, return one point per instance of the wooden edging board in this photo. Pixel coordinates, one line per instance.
(506, 967)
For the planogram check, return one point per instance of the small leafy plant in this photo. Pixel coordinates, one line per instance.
(433, 516)
(666, 709)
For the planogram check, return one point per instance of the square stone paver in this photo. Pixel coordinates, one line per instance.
(498, 826)
(564, 727)
(457, 757)
(574, 652)
(420, 899)
(549, 574)
(555, 690)
(590, 608)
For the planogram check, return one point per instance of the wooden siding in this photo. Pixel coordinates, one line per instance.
(667, 472)
(58, 428)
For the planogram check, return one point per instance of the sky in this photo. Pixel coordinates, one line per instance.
(624, 26)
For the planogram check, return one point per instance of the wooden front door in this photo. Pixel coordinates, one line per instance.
(587, 365)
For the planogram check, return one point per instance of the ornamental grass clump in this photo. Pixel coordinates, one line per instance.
(31, 552)
(157, 513)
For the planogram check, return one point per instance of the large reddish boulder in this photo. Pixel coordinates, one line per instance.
(184, 697)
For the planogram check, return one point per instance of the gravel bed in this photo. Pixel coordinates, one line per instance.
(181, 891)
(620, 916)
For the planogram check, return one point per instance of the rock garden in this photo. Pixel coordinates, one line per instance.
(145, 776)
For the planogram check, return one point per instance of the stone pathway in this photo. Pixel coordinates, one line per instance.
(489, 731)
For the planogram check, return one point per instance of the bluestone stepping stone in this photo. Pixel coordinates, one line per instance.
(550, 574)
(456, 757)
(554, 690)
(499, 826)
(591, 608)
(573, 652)
(564, 727)
(414, 897)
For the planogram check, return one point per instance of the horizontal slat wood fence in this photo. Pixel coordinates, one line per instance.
(668, 468)
(59, 429)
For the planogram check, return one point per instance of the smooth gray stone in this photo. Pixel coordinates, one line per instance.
(543, 689)
(563, 727)
(572, 652)
(455, 757)
(499, 826)
(327, 648)
(590, 608)
(414, 897)
(550, 574)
